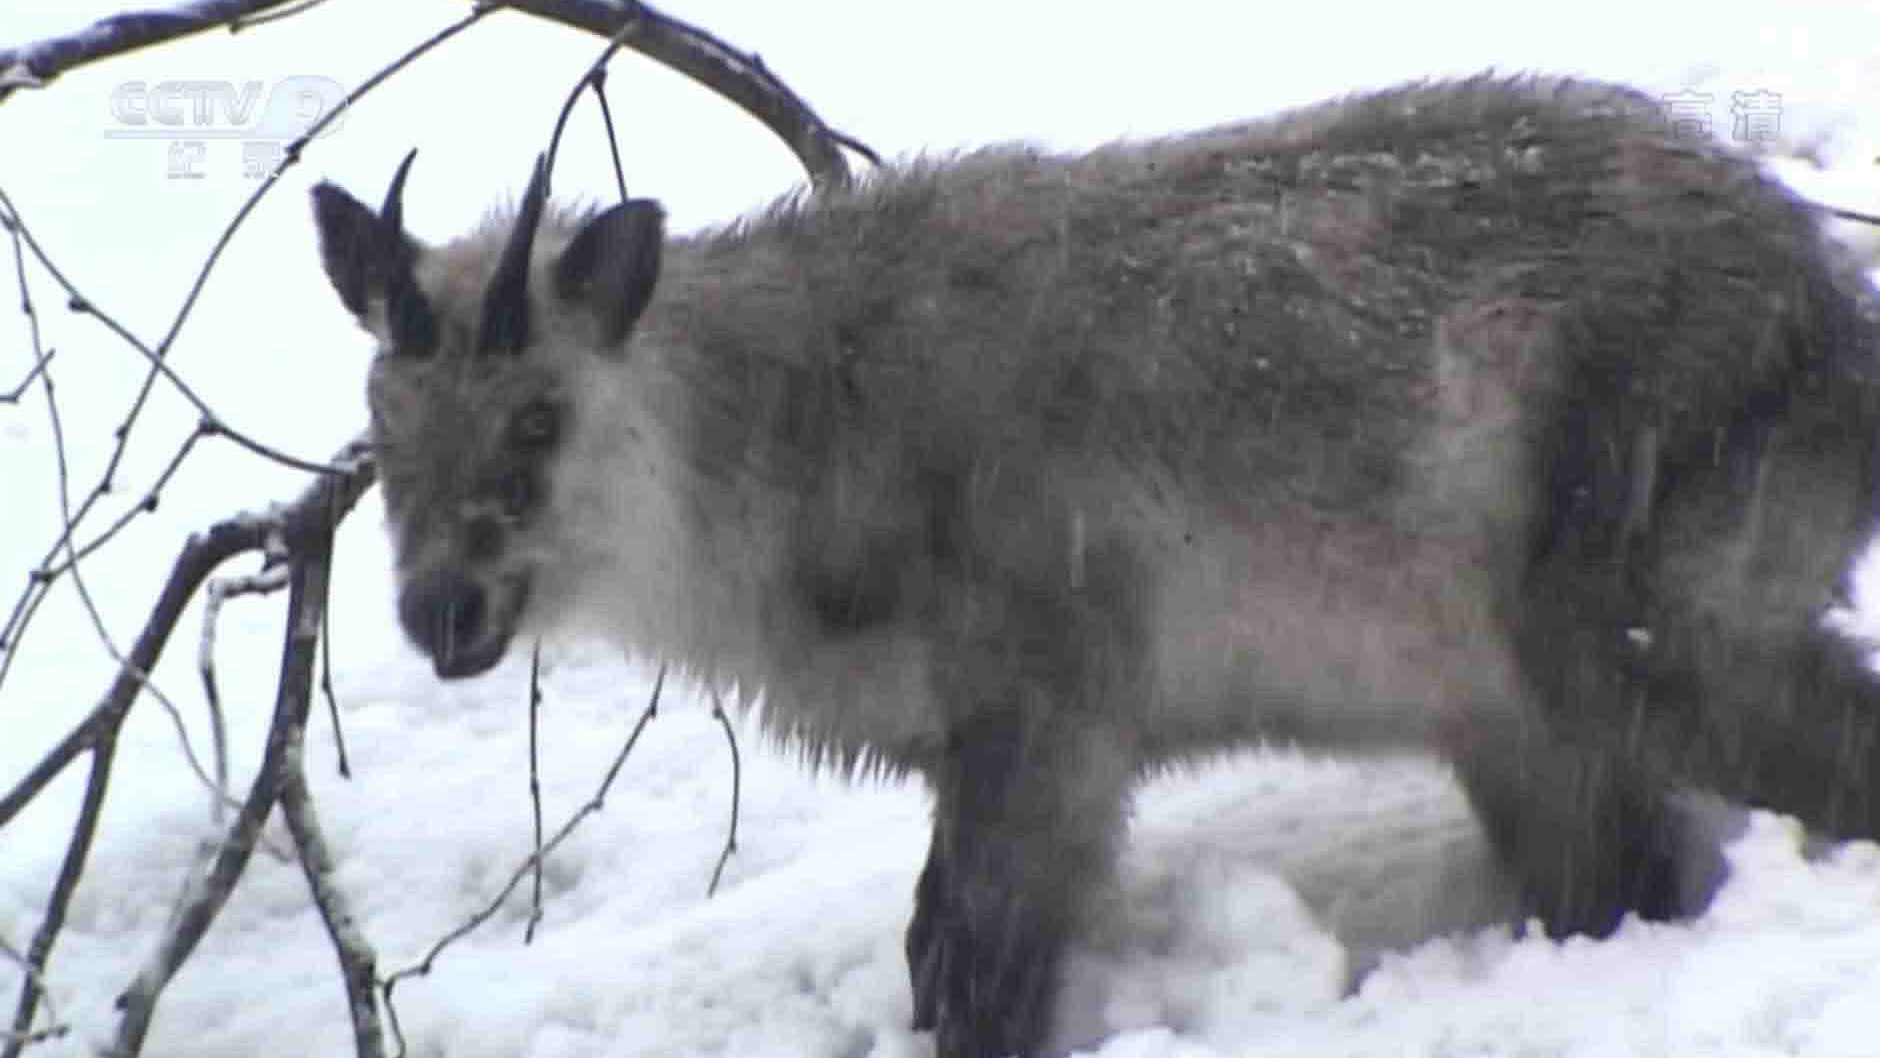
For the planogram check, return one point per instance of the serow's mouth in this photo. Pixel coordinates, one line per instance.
(461, 664)
(464, 628)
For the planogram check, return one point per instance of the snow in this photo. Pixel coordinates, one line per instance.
(1273, 906)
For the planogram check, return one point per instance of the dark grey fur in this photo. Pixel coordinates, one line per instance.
(1489, 419)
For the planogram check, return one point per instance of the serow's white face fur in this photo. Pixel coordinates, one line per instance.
(478, 343)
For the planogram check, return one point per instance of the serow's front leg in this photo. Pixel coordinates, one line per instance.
(921, 949)
(1040, 668)
(1027, 815)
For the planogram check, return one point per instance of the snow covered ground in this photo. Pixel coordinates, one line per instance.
(1258, 889)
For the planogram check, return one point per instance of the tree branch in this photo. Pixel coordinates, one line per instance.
(357, 961)
(307, 527)
(301, 524)
(38, 64)
(740, 77)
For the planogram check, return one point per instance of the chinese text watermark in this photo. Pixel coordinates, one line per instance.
(262, 116)
(1753, 116)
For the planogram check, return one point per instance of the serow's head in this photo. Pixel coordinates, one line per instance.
(481, 343)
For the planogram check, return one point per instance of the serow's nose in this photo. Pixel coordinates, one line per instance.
(446, 615)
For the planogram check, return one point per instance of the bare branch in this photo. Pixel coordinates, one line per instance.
(1854, 215)
(199, 557)
(535, 790)
(28, 603)
(296, 539)
(737, 792)
(318, 507)
(357, 961)
(613, 140)
(71, 869)
(307, 527)
(38, 64)
(326, 691)
(55, 1027)
(272, 577)
(37, 583)
(289, 156)
(236, 25)
(152, 496)
(76, 301)
(740, 78)
(594, 77)
(40, 361)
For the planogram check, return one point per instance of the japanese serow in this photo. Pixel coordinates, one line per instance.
(1493, 419)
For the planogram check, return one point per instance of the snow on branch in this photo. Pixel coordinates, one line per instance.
(740, 77)
(36, 65)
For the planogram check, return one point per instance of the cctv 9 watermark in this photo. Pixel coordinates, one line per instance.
(208, 123)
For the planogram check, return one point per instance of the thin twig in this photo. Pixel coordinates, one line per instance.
(595, 76)
(342, 763)
(157, 357)
(424, 965)
(50, 568)
(90, 606)
(18, 958)
(84, 830)
(13, 395)
(41, 581)
(535, 789)
(36, 585)
(152, 497)
(55, 1026)
(739, 77)
(289, 156)
(737, 791)
(71, 869)
(271, 578)
(199, 557)
(1853, 215)
(298, 7)
(613, 140)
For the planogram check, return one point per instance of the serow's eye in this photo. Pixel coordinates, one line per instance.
(536, 427)
(518, 494)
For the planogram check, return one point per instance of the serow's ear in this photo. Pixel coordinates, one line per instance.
(351, 242)
(368, 255)
(612, 266)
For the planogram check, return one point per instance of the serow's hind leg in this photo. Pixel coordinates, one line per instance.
(1669, 632)
(1587, 835)
(1591, 824)
(1747, 691)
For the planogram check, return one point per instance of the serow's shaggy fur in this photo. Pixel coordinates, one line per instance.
(1492, 419)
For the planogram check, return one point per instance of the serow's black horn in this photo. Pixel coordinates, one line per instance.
(505, 324)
